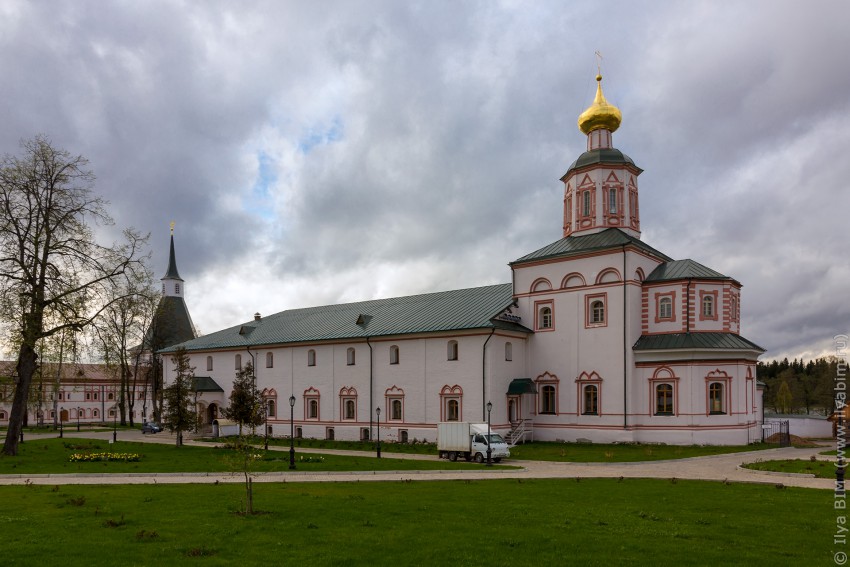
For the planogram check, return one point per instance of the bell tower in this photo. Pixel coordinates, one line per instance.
(172, 283)
(600, 187)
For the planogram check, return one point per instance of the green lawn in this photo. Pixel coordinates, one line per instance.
(51, 456)
(498, 522)
(821, 469)
(545, 451)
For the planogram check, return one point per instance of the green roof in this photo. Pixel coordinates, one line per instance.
(205, 384)
(456, 310)
(603, 155)
(520, 386)
(574, 245)
(684, 269)
(672, 341)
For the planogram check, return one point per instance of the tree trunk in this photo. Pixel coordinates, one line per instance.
(26, 369)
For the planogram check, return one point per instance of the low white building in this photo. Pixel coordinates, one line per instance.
(599, 336)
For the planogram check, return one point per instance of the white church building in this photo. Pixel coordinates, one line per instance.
(599, 337)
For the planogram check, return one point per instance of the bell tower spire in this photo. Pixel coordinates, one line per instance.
(600, 187)
(172, 283)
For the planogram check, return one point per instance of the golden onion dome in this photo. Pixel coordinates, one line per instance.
(600, 114)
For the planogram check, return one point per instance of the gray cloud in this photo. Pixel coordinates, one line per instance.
(321, 152)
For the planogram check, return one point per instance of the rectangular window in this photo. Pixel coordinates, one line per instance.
(591, 399)
(664, 399)
(452, 409)
(547, 399)
(396, 409)
(452, 350)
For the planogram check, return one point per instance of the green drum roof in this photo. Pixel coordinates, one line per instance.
(611, 156)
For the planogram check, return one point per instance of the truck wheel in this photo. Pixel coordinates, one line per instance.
(479, 458)
(452, 456)
(497, 460)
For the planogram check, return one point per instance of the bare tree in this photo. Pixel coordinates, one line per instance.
(53, 274)
(120, 333)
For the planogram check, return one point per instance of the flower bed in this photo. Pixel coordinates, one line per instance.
(104, 457)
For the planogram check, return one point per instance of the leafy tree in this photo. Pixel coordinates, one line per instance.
(783, 398)
(246, 409)
(179, 408)
(53, 274)
(246, 404)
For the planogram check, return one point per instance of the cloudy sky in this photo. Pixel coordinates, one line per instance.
(322, 152)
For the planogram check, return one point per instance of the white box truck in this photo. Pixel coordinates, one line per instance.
(469, 440)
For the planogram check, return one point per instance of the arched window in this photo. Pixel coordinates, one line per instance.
(544, 318)
(110, 396)
(665, 308)
(708, 306)
(311, 357)
(3, 415)
(450, 399)
(664, 399)
(272, 408)
(733, 307)
(269, 360)
(209, 364)
(509, 352)
(349, 356)
(715, 397)
(394, 354)
(95, 413)
(591, 399)
(597, 311)
(395, 403)
(452, 350)
(585, 203)
(348, 403)
(313, 409)
(612, 201)
(547, 399)
(238, 362)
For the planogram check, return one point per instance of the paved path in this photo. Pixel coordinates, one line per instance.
(715, 467)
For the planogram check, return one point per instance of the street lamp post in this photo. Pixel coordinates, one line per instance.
(291, 433)
(115, 427)
(378, 445)
(79, 409)
(266, 425)
(489, 441)
(61, 431)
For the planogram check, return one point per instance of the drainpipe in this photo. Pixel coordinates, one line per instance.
(625, 356)
(371, 376)
(484, 376)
